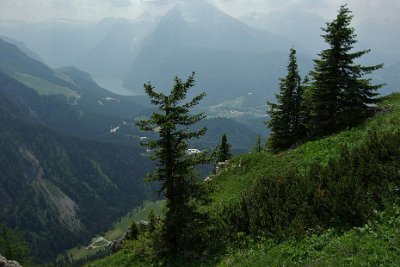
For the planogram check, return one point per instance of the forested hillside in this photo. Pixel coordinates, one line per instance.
(60, 190)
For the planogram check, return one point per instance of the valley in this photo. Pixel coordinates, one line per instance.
(115, 86)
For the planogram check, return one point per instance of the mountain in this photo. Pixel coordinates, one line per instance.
(59, 42)
(227, 54)
(304, 27)
(21, 46)
(61, 190)
(390, 76)
(13, 61)
(230, 58)
(200, 24)
(69, 100)
(112, 56)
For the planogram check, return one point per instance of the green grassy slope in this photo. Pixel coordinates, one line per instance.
(118, 229)
(43, 87)
(376, 243)
(245, 170)
(310, 205)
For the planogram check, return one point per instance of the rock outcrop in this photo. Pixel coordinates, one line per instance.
(6, 263)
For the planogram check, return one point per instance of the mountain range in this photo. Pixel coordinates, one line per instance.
(231, 59)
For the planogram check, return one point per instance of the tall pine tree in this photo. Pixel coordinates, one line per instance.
(182, 189)
(286, 120)
(341, 97)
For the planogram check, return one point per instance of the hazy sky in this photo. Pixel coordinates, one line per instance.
(34, 10)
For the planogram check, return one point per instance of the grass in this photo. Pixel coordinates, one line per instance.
(43, 87)
(119, 228)
(377, 243)
(119, 259)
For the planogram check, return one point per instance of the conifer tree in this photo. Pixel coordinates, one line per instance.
(258, 145)
(12, 245)
(224, 150)
(341, 97)
(182, 189)
(133, 231)
(286, 122)
(152, 221)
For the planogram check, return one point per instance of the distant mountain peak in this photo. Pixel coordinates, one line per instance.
(197, 11)
(145, 17)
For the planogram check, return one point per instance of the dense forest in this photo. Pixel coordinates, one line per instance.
(59, 190)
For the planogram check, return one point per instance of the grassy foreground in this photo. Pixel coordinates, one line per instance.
(377, 243)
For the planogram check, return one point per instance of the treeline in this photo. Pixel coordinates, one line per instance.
(334, 96)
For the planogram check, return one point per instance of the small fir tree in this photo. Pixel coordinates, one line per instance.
(341, 97)
(133, 231)
(152, 221)
(286, 121)
(182, 189)
(258, 147)
(13, 246)
(224, 150)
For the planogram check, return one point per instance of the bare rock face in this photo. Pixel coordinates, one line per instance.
(6, 263)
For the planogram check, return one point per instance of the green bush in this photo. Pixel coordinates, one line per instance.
(341, 193)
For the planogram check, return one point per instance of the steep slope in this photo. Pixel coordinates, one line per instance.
(320, 203)
(375, 243)
(21, 46)
(60, 190)
(13, 60)
(76, 86)
(55, 112)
